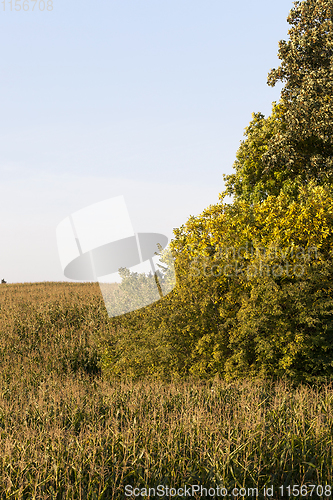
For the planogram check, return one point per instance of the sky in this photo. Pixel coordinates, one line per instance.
(145, 99)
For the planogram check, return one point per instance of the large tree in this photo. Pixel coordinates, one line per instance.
(295, 144)
(254, 292)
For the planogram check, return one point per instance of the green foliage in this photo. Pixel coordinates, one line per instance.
(254, 278)
(251, 180)
(267, 271)
(294, 144)
(253, 296)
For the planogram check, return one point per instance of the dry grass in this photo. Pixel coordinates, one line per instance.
(68, 433)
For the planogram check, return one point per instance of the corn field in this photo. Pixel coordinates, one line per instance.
(69, 431)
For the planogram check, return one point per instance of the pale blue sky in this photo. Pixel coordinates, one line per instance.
(142, 98)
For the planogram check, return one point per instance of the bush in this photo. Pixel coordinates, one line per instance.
(253, 296)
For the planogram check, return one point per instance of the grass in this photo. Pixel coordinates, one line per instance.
(69, 432)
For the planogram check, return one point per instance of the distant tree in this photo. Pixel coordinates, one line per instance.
(295, 144)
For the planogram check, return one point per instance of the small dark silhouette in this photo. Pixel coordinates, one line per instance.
(3, 281)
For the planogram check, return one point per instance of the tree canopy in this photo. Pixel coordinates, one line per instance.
(294, 144)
